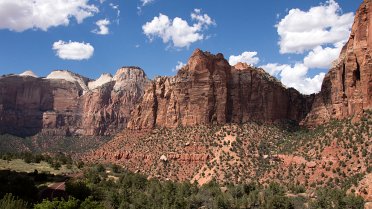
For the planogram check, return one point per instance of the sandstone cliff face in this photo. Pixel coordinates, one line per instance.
(28, 104)
(107, 109)
(63, 104)
(210, 91)
(347, 88)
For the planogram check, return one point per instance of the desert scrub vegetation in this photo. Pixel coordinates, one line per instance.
(131, 190)
(43, 162)
(53, 144)
(335, 154)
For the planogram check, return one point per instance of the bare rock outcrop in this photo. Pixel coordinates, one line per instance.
(210, 91)
(107, 108)
(347, 88)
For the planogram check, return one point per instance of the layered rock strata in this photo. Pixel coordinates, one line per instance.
(210, 91)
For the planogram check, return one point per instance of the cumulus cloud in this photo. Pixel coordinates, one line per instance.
(21, 15)
(274, 68)
(203, 20)
(246, 57)
(178, 32)
(179, 66)
(73, 50)
(301, 31)
(322, 57)
(319, 34)
(102, 27)
(296, 77)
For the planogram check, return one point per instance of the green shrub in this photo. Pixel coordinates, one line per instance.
(11, 202)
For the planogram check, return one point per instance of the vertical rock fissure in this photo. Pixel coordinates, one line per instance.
(357, 72)
(229, 104)
(155, 107)
(240, 96)
(343, 78)
(212, 111)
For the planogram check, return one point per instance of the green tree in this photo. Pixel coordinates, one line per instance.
(71, 203)
(78, 189)
(11, 202)
(336, 199)
(89, 203)
(19, 184)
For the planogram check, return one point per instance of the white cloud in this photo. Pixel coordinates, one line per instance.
(102, 27)
(179, 66)
(146, 2)
(202, 19)
(322, 57)
(320, 31)
(301, 31)
(177, 32)
(73, 50)
(274, 68)
(297, 77)
(246, 57)
(117, 9)
(20, 15)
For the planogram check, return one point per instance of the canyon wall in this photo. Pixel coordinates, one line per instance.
(63, 103)
(210, 91)
(347, 87)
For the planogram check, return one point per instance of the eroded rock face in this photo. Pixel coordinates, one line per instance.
(347, 88)
(28, 104)
(107, 109)
(64, 105)
(210, 91)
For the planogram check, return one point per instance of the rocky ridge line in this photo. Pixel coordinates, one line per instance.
(210, 91)
(63, 104)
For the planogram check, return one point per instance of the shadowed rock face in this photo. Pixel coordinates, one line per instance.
(30, 105)
(347, 88)
(210, 91)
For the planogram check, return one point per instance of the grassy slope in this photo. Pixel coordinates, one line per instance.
(20, 166)
(42, 144)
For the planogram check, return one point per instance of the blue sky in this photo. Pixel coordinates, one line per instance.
(230, 27)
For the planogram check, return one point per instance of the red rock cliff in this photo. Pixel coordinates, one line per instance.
(347, 88)
(63, 104)
(210, 91)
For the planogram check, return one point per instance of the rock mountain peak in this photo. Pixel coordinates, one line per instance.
(206, 91)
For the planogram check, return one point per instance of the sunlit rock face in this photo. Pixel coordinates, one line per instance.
(210, 91)
(347, 88)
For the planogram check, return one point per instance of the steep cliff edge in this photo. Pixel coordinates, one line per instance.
(210, 91)
(65, 103)
(347, 88)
